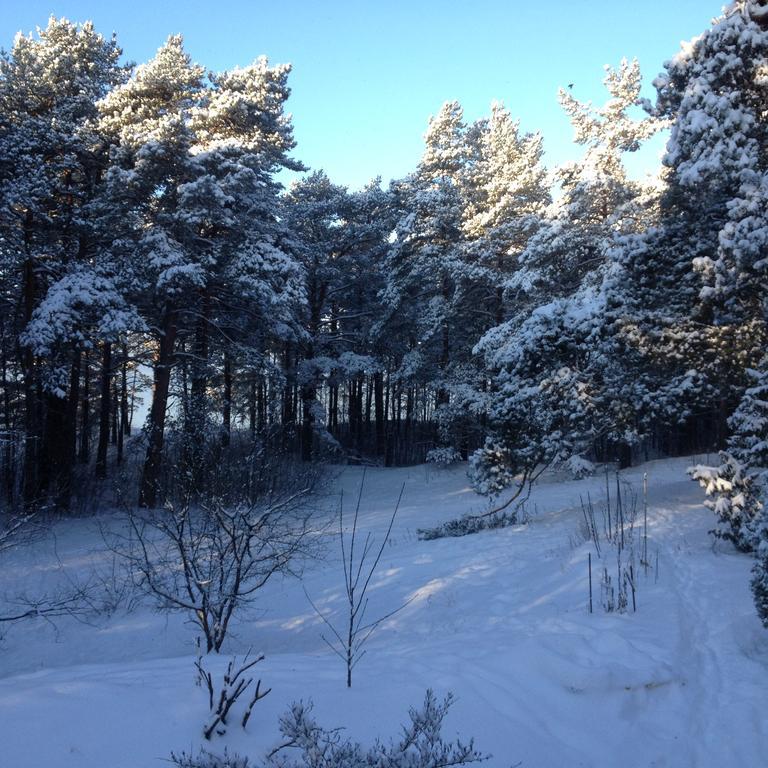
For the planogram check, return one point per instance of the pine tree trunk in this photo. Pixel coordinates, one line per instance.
(288, 416)
(54, 445)
(368, 408)
(307, 421)
(115, 412)
(85, 415)
(226, 417)
(70, 456)
(333, 408)
(105, 401)
(308, 395)
(445, 347)
(252, 407)
(10, 441)
(378, 407)
(196, 418)
(122, 406)
(125, 418)
(32, 400)
(156, 423)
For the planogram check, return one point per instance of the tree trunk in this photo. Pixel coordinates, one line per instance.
(156, 424)
(10, 441)
(445, 347)
(70, 457)
(125, 418)
(85, 415)
(115, 411)
(333, 408)
(32, 405)
(196, 418)
(308, 394)
(378, 408)
(288, 416)
(122, 406)
(358, 384)
(226, 433)
(105, 402)
(252, 407)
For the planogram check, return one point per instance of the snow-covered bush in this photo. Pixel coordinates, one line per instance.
(468, 524)
(443, 456)
(206, 759)
(421, 744)
(579, 467)
(492, 468)
(308, 745)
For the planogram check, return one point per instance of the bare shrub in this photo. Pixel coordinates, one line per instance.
(211, 558)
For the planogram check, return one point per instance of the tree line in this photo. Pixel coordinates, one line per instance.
(482, 307)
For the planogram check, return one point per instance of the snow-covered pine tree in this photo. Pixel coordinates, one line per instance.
(193, 179)
(691, 317)
(553, 394)
(504, 191)
(339, 238)
(424, 258)
(715, 213)
(53, 157)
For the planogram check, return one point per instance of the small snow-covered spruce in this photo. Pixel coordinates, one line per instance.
(579, 467)
(737, 486)
(759, 582)
(492, 469)
(734, 500)
(444, 456)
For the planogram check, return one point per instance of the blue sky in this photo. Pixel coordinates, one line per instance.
(367, 75)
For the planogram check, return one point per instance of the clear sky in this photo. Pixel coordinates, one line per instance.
(367, 75)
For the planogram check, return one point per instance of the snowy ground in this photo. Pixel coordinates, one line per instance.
(499, 618)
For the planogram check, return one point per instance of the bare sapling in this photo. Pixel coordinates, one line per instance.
(645, 523)
(359, 564)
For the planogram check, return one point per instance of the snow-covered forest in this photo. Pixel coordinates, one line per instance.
(240, 416)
